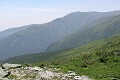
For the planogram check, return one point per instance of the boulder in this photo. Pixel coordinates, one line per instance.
(3, 73)
(8, 66)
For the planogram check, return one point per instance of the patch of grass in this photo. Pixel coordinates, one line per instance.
(12, 76)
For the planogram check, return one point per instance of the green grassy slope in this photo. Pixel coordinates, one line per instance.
(99, 60)
(98, 30)
(30, 58)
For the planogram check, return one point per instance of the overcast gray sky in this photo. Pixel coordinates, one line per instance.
(15, 13)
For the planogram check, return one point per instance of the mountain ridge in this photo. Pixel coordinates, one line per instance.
(100, 29)
(36, 38)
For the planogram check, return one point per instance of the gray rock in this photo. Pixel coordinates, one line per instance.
(8, 66)
(4, 73)
(71, 73)
(85, 77)
(77, 78)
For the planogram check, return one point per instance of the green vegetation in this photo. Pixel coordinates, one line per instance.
(31, 58)
(100, 29)
(29, 76)
(99, 60)
(79, 52)
(12, 77)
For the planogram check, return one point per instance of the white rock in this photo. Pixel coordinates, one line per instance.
(36, 68)
(71, 73)
(3, 73)
(77, 78)
(7, 65)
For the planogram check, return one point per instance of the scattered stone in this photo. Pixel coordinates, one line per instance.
(45, 74)
(77, 78)
(85, 78)
(71, 73)
(16, 72)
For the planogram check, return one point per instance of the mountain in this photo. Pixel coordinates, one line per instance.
(8, 32)
(36, 38)
(99, 60)
(100, 29)
(109, 44)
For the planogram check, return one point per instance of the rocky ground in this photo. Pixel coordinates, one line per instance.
(17, 72)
